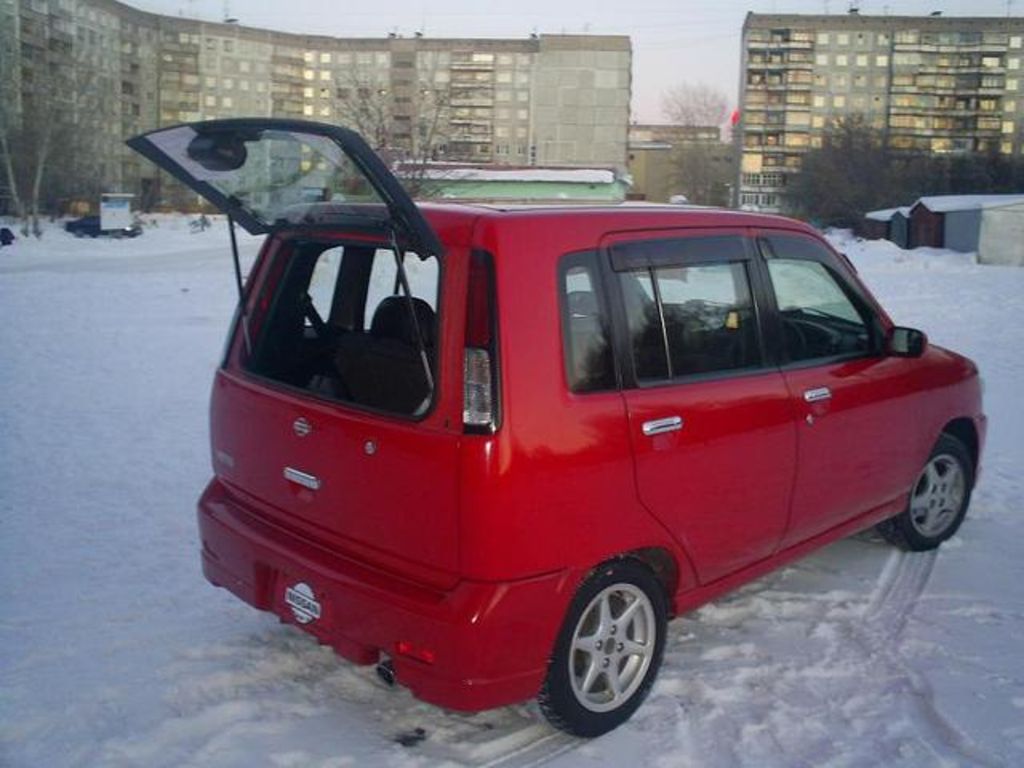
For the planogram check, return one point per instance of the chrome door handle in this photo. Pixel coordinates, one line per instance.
(304, 479)
(660, 426)
(817, 394)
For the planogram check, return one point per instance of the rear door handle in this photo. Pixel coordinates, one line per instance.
(661, 426)
(817, 394)
(304, 479)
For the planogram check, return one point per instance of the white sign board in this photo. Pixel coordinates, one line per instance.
(116, 211)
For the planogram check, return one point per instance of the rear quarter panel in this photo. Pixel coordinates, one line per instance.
(554, 488)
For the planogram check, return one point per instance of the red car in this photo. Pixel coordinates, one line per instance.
(493, 450)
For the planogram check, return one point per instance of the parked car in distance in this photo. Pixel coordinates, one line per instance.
(494, 450)
(89, 226)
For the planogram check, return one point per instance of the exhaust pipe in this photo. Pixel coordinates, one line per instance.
(386, 672)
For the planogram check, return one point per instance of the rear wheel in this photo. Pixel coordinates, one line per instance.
(608, 651)
(938, 500)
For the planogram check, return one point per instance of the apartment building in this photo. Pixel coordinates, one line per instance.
(931, 84)
(105, 71)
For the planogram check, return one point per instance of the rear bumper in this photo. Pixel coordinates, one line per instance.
(488, 641)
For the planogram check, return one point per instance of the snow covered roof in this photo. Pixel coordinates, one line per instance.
(947, 203)
(887, 213)
(562, 175)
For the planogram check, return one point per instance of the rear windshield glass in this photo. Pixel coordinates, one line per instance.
(335, 321)
(278, 176)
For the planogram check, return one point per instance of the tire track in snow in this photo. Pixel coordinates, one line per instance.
(900, 585)
(541, 751)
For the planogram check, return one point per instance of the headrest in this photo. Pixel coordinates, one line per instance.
(391, 320)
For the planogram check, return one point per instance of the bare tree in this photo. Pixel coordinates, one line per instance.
(409, 127)
(694, 104)
(704, 171)
(10, 115)
(34, 128)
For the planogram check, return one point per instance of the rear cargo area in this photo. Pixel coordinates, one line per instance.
(316, 422)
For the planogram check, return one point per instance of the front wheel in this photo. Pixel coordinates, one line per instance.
(938, 500)
(608, 651)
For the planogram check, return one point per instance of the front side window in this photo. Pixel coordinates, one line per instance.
(687, 319)
(588, 355)
(819, 317)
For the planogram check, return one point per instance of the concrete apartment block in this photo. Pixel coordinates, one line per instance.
(582, 93)
(931, 84)
(546, 99)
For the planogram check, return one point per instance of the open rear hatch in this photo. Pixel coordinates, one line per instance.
(321, 414)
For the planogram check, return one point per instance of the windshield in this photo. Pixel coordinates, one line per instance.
(278, 176)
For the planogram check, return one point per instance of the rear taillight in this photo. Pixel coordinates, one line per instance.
(479, 399)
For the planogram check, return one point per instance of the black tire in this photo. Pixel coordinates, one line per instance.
(938, 501)
(603, 705)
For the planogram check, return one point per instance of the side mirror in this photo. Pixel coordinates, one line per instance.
(906, 342)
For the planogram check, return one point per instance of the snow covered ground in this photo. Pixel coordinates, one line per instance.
(115, 652)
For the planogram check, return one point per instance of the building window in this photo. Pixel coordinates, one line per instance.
(882, 60)
(841, 60)
(839, 101)
(821, 59)
(843, 38)
(823, 38)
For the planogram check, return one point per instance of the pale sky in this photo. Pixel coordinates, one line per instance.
(673, 42)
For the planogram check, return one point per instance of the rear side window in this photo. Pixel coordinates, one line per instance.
(588, 355)
(339, 325)
(689, 308)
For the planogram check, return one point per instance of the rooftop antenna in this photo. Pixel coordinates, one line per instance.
(228, 18)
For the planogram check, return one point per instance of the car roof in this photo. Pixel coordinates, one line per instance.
(455, 221)
(626, 212)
